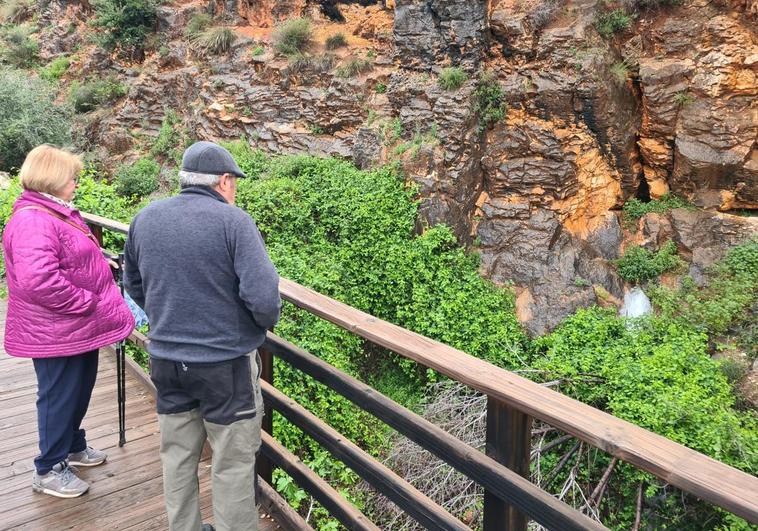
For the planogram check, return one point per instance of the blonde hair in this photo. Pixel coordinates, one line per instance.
(48, 169)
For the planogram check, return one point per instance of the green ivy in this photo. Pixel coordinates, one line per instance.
(489, 101)
(638, 264)
(731, 291)
(634, 209)
(657, 374)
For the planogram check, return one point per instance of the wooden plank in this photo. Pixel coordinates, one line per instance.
(93, 431)
(493, 476)
(21, 462)
(95, 221)
(332, 500)
(119, 472)
(508, 441)
(138, 448)
(402, 493)
(678, 465)
(272, 503)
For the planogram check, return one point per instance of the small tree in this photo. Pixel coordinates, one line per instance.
(138, 179)
(125, 24)
(28, 117)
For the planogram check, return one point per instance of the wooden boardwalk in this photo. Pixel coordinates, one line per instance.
(125, 493)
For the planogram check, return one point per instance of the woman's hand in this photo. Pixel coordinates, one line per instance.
(113, 264)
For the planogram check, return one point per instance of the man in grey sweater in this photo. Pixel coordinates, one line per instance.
(198, 267)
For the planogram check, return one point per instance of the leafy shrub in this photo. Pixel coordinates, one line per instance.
(419, 139)
(172, 138)
(743, 259)
(660, 376)
(452, 78)
(198, 24)
(488, 101)
(337, 40)
(96, 196)
(731, 291)
(258, 50)
(380, 88)
(354, 66)
(15, 11)
(608, 23)
(634, 209)
(55, 69)
(125, 24)
(639, 264)
(86, 97)
(28, 117)
(214, 41)
(138, 179)
(392, 131)
(293, 36)
(20, 50)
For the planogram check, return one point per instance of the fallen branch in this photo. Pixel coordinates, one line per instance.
(597, 494)
(560, 465)
(638, 515)
(552, 444)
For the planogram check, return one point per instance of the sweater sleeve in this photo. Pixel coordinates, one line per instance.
(37, 271)
(132, 276)
(258, 279)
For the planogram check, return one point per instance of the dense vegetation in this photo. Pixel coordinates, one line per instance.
(350, 235)
(639, 265)
(125, 25)
(29, 116)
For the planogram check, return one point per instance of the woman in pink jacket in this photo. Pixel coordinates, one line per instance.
(63, 305)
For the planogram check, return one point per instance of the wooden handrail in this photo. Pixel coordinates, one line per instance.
(405, 495)
(493, 476)
(332, 500)
(678, 465)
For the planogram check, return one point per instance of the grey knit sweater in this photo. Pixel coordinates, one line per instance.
(198, 267)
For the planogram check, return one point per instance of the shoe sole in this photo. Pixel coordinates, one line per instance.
(43, 490)
(80, 463)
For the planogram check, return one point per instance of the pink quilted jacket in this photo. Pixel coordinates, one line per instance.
(62, 299)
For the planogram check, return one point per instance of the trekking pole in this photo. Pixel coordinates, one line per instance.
(121, 363)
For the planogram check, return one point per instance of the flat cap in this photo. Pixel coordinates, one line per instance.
(210, 158)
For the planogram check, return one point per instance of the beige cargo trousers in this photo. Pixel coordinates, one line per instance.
(220, 402)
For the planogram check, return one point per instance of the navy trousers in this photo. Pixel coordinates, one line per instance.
(64, 390)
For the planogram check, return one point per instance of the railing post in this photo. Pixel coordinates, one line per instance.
(263, 463)
(97, 232)
(509, 439)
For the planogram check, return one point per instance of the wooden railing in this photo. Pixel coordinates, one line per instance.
(510, 499)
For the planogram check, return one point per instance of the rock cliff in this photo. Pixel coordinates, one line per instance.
(666, 104)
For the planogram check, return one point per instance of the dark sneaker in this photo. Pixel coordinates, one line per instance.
(87, 457)
(60, 481)
(208, 527)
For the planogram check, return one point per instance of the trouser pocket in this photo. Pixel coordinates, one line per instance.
(224, 390)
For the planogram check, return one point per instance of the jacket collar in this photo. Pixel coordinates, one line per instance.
(203, 190)
(29, 197)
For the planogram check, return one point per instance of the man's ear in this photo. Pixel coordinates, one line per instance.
(223, 182)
